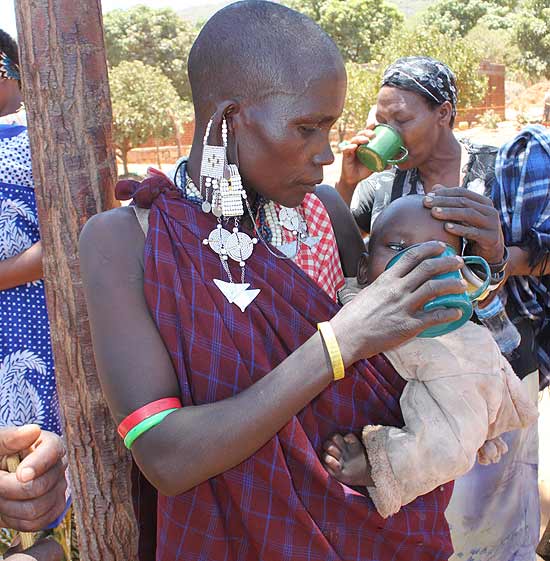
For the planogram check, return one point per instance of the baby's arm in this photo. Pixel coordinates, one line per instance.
(445, 424)
(516, 410)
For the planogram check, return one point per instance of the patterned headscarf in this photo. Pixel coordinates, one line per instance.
(423, 75)
(8, 69)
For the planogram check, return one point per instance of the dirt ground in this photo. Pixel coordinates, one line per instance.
(504, 133)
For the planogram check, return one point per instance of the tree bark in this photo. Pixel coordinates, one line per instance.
(177, 131)
(125, 168)
(69, 111)
(157, 150)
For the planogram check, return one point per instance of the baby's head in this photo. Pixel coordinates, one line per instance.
(405, 222)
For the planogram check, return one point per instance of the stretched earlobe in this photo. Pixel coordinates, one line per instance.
(231, 111)
(362, 268)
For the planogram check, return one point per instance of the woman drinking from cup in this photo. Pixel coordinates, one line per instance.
(494, 511)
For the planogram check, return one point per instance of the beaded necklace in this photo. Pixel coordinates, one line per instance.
(268, 223)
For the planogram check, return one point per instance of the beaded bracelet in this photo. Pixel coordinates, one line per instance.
(333, 349)
(147, 411)
(146, 425)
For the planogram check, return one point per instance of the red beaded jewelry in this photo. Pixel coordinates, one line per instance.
(147, 411)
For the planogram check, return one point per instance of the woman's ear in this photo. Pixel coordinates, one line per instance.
(362, 268)
(445, 113)
(231, 112)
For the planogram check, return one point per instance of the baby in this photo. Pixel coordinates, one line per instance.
(460, 396)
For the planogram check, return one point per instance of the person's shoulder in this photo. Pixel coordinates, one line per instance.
(115, 221)
(379, 178)
(475, 148)
(115, 231)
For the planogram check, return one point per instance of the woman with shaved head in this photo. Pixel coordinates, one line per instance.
(222, 352)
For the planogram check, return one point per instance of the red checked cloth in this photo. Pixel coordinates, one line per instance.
(322, 261)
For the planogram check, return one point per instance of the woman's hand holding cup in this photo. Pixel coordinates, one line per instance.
(353, 171)
(390, 311)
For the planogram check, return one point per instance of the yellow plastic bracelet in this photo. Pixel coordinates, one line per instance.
(333, 349)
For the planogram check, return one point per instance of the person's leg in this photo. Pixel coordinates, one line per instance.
(494, 513)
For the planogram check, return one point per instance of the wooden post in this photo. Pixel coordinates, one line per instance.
(66, 92)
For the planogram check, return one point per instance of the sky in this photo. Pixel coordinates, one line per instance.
(7, 11)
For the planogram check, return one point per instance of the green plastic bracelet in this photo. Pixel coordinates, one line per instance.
(145, 425)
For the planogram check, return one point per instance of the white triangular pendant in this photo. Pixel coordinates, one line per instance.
(231, 290)
(237, 293)
(311, 241)
(289, 249)
(245, 298)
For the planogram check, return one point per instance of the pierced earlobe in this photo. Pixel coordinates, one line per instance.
(362, 268)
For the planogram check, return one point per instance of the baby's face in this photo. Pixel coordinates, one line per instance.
(400, 226)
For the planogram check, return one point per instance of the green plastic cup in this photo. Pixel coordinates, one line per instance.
(382, 149)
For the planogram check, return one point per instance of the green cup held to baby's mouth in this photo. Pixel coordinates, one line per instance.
(462, 301)
(383, 149)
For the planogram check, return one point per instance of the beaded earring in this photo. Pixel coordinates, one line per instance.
(223, 185)
(213, 165)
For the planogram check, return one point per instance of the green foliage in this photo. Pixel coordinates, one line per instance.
(490, 120)
(496, 45)
(456, 52)
(363, 85)
(157, 37)
(458, 17)
(532, 33)
(145, 105)
(358, 27)
(311, 8)
(411, 7)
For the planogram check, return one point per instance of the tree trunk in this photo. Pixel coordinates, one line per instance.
(342, 126)
(125, 162)
(177, 132)
(157, 150)
(67, 97)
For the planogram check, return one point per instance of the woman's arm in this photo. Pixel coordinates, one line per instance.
(518, 265)
(23, 268)
(199, 442)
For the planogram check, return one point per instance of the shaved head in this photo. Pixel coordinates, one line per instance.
(254, 49)
(279, 82)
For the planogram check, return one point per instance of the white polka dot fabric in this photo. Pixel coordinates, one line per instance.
(15, 157)
(27, 380)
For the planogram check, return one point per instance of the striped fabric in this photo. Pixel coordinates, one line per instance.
(521, 194)
(280, 504)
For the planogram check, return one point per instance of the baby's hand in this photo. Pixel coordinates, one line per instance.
(346, 460)
(491, 451)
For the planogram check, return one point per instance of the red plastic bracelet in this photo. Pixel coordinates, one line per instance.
(147, 411)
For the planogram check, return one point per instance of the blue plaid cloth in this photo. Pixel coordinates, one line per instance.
(521, 194)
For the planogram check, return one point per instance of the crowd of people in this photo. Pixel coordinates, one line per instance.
(266, 343)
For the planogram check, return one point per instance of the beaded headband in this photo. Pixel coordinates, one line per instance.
(8, 69)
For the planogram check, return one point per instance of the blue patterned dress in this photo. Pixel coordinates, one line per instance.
(27, 381)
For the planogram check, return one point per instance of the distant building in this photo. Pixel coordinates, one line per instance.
(495, 96)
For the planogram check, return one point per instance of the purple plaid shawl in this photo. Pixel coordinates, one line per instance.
(280, 504)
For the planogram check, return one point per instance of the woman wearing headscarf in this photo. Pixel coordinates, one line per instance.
(494, 512)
